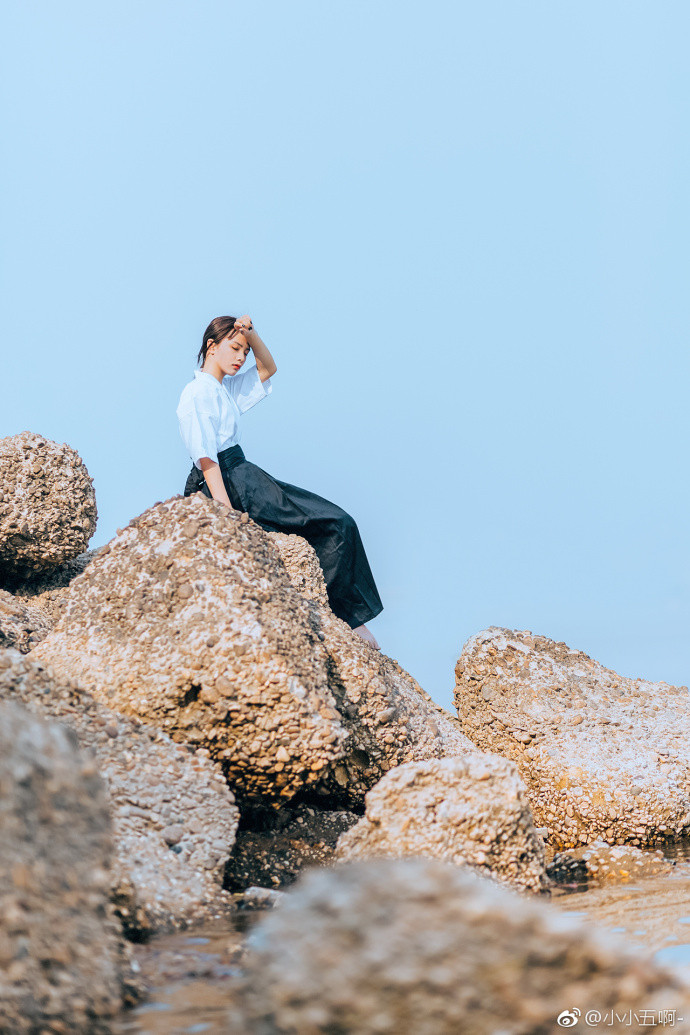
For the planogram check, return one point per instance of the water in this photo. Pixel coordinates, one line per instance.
(188, 973)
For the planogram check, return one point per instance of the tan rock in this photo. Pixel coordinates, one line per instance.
(47, 505)
(421, 946)
(471, 809)
(47, 590)
(187, 620)
(602, 756)
(600, 863)
(61, 957)
(390, 718)
(151, 784)
(21, 625)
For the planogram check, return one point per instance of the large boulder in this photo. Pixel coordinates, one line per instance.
(61, 960)
(422, 946)
(174, 819)
(603, 757)
(390, 718)
(21, 625)
(470, 810)
(187, 620)
(47, 505)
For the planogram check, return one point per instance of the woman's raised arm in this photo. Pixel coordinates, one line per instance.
(265, 363)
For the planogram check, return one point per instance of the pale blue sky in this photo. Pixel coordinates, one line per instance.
(462, 228)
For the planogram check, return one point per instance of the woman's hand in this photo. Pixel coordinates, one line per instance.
(243, 325)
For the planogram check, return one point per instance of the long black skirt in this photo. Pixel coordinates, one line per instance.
(281, 507)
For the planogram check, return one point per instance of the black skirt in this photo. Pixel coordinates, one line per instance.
(281, 507)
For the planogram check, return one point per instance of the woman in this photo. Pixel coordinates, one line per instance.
(209, 414)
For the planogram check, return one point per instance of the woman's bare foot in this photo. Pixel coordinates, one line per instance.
(362, 631)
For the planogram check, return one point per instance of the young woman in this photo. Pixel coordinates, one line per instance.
(209, 414)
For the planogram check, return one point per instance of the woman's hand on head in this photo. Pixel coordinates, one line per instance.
(243, 325)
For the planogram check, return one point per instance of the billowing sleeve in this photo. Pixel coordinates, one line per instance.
(247, 388)
(199, 431)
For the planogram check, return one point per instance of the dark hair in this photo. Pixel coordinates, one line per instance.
(216, 331)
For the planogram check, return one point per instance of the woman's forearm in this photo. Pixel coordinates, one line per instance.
(265, 362)
(214, 480)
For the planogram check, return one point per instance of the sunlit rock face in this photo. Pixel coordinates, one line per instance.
(390, 718)
(602, 756)
(418, 945)
(173, 818)
(47, 505)
(61, 962)
(187, 620)
(471, 809)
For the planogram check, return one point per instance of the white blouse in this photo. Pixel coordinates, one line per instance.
(209, 412)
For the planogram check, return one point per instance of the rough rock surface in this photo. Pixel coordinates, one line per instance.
(607, 864)
(390, 718)
(21, 625)
(174, 819)
(47, 590)
(187, 620)
(603, 757)
(417, 945)
(272, 847)
(47, 505)
(470, 810)
(61, 960)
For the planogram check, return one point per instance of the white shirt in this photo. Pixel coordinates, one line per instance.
(209, 412)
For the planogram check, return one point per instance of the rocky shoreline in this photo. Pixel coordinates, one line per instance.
(219, 728)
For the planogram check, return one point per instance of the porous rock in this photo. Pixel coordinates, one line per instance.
(471, 809)
(47, 505)
(187, 619)
(61, 959)
(418, 945)
(600, 863)
(602, 756)
(47, 590)
(390, 718)
(273, 846)
(152, 784)
(21, 625)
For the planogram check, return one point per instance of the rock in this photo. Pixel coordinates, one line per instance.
(21, 625)
(272, 847)
(154, 786)
(391, 720)
(47, 590)
(600, 863)
(602, 756)
(187, 620)
(47, 505)
(470, 810)
(61, 958)
(302, 566)
(422, 946)
(259, 898)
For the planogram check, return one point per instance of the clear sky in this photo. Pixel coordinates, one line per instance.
(462, 228)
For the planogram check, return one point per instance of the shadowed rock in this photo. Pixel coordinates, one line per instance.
(47, 590)
(418, 945)
(61, 959)
(47, 505)
(602, 756)
(21, 625)
(174, 819)
(464, 810)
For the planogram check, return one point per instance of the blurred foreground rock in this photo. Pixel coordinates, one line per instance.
(188, 620)
(603, 757)
(417, 945)
(174, 819)
(62, 965)
(47, 505)
(470, 810)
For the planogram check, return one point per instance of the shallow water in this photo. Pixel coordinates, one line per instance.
(188, 973)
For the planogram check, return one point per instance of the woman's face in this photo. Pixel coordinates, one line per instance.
(230, 352)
